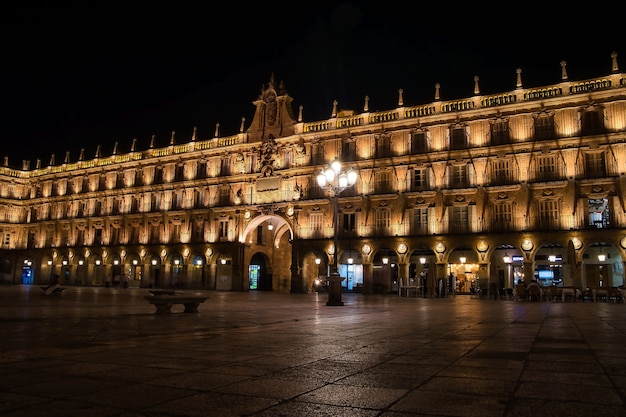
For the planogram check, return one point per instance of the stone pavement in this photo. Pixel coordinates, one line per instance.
(104, 352)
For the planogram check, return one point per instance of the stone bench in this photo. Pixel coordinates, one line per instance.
(163, 292)
(164, 302)
(56, 291)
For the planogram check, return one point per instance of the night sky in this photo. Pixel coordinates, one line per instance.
(81, 74)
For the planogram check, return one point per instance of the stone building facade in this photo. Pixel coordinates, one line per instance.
(451, 195)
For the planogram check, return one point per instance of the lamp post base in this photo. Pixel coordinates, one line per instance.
(334, 290)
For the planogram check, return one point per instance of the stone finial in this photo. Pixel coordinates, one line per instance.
(38, 164)
(519, 78)
(400, 99)
(194, 134)
(437, 87)
(217, 130)
(98, 152)
(563, 70)
(115, 149)
(152, 140)
(134, 145)
(614, 66)
(366, 106)
(334, 113)
(51, 160)
(172, 138)
(300, 114)
(67, 157)
(476, 88)
(242, 127)
(6, 161)
(82, 154)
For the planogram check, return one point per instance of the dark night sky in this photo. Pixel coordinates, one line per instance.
(81, 74)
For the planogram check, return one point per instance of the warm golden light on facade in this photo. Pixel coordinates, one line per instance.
(535, 171)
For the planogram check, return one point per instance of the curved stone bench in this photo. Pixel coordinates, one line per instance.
(164, 303)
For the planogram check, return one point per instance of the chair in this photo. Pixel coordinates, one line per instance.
(615, 295)
(602, 294)
(520, 292)
(555, 293)
(587, 294)
(534, 292)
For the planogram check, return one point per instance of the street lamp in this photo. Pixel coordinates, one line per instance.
(336, 180)
(507, 261)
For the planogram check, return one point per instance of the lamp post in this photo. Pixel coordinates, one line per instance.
(507, 261)
(336, 180)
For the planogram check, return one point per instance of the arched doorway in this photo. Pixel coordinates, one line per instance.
(351, 268)
(603, 266)
(260, 273)
(385, 273)
(27, 271)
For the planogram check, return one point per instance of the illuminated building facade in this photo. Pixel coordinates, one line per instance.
(490, 189)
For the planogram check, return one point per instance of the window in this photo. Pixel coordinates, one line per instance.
(80, 237)
(288, 158)
(252, 161)
(594, 165)
(119, 181)
(503, 212)
(420, 179)
(548, 216)
(223, 230)
(6, 239)
(544, 127)
(459, 219)
(349, 222)
(502, 217)
(202, 169)
(224, 196)
(348, 151)
(591, 121)
(547, 168)
(458, 176)
(225, 166)
(115, 236)
(458, 138)
(317, 154)
(315, 191)
(175, 238)
(158, 175)
(98, 237)
(177, 200)
(420, 221)
(134, 235)
(598, 209)
(317, 224)
(179, 172)
(419, 143)
(317, 221)
(383, 146)
(259, 234)
(500, 132)
(383, 220)
(383, 182)
(197, 233)
(502, 172)
(82, 209)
